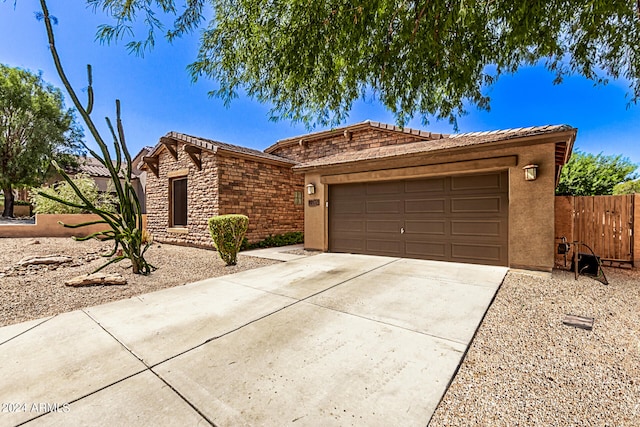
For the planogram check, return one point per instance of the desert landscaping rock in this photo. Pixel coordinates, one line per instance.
(27, 294)
(103, 279)
(44, 260)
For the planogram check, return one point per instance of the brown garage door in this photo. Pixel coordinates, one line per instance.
(458, 218)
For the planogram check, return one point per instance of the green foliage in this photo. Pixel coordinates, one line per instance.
(627, 187)
(35, 128)
(593, 175)
(227, 232)
(286, 239)
(312, 59)
(64, 191)
(125, 227)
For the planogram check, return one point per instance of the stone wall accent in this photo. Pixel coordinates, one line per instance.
(263, 192)
(226, 185)
(202, 198)
(359, 140)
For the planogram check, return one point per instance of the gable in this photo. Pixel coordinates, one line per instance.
(349, 139)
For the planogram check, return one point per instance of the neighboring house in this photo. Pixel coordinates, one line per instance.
(373, 188)
(100, 174)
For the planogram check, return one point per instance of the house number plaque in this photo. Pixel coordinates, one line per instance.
(314, 202)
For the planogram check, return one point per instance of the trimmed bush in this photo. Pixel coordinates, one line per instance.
(286, 239)
(227, 232)
(65, 191)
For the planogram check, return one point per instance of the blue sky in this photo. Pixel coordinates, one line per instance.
(158, 96)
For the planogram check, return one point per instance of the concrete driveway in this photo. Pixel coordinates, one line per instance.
(332, 339)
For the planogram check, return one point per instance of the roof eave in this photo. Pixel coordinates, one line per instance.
(549, 137)
(217, 149)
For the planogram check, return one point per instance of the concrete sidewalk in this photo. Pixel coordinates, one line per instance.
(332, 339)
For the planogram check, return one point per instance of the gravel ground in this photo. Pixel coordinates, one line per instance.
(34, 292)
(525, 368)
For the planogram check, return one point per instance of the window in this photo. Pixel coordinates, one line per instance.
(297, 198)
(178, 188)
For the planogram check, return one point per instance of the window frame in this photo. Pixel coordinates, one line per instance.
(173, 200)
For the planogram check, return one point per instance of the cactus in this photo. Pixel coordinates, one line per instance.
(125, 227)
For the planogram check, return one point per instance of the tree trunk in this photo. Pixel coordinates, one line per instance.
(8, 201)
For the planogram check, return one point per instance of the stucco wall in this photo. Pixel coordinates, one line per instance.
(46, 225)
(19, 210)
(263, 192)
(359, 140)
(202, 198)
(531, 203)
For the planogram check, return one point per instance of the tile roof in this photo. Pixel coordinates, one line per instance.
(444, 143)
(92, 167)
(211, 145)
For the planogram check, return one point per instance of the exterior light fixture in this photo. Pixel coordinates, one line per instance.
(530, 172)
(311, 189)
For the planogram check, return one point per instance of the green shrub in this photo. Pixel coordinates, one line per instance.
(63, 190)
(286, 239)
(227, 232)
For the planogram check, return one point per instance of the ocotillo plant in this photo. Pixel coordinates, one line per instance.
(125, 227)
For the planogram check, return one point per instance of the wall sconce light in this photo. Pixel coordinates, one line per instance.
(530, 172)
(311, 189)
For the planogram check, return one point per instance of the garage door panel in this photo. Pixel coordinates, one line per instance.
(461, 218)
(393, 187)
(383, 206)
(476, 182)
(350, 226)
(343, 207)
(426, 185)
(425, 206)
(480, 228)
(426, 250)
(476, 252)
(488, 204)
(435, 227)
(384, 226)
(384, 247)
(355, 245)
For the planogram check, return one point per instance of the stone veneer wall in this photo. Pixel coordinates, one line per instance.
(263, 192)
(360, 140)
(202, 198)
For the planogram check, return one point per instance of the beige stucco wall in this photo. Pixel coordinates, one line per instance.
(531, 203)
(47, 225)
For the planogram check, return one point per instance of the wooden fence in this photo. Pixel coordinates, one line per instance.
(607, 224)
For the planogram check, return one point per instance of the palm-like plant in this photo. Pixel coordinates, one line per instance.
(126, 226)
